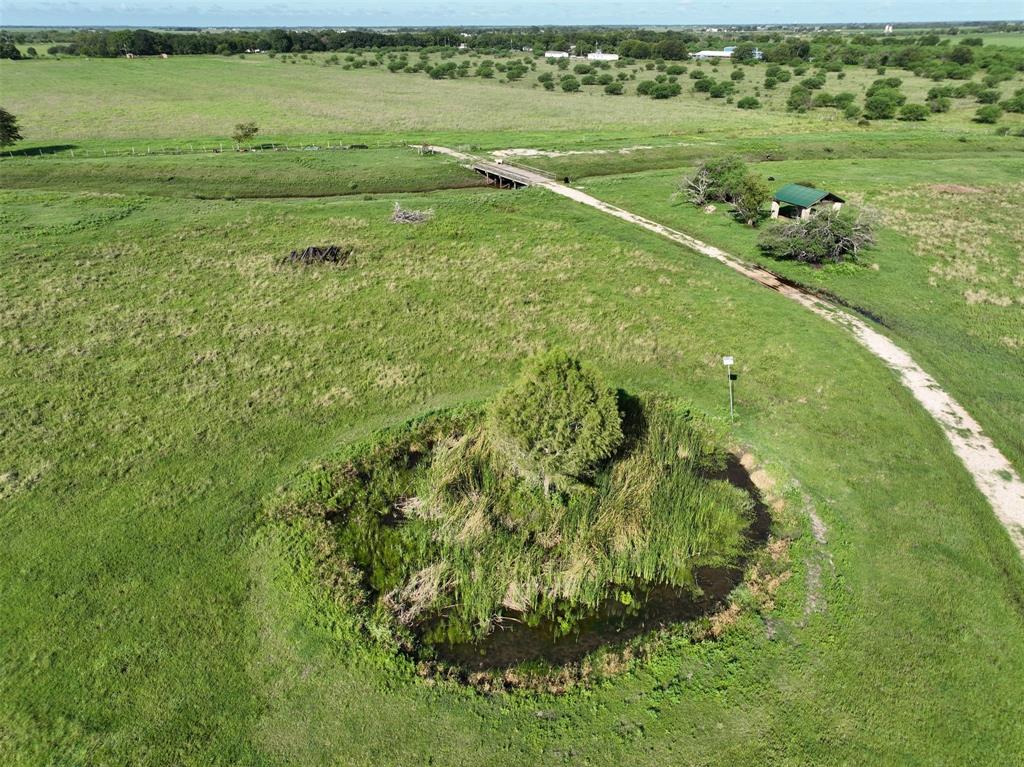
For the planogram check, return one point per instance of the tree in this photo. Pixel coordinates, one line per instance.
(559, 420)
(9, 131)
(883, 103)
(749, 196)
(914, 112)
(799, 99)
(244, 132)
(716, 179)
(569, 84)
(613, 89)
(748, 102)
(9, 50)
(828, 237)
(988, 114)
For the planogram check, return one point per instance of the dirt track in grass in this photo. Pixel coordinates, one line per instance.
(993, 474)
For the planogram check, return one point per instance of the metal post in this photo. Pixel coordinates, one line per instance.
(728, 362)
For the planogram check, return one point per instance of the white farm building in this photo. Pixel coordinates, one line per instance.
(556, 55)
(599, 56)
(705, 55)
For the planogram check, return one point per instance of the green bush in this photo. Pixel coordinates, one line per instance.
(883, 104)
(827, 237)
(988, 114)
(613, 89)
(914, 112)
(748, 102)
(558, 421)
(569, 84)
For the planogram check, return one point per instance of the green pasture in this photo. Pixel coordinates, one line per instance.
(945, 278)
(162, 376)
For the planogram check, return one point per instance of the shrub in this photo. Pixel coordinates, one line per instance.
(737, 74)
(988, 114)
(721, 89)
(569, 84)
(704, 85)
(914, 112)
(939, 104)
(715, 179)
(1015, 103)
(244, 132)
(613, 89)
(988, 96)
(828, 237)
(799, 99)
(883, 104)
(583, 69)
(665, 90)
(748, 102)
(559, 420)
(750, 195)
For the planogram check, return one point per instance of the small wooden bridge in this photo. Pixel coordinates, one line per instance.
(504, 176)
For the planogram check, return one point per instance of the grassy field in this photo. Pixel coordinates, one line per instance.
(947, 280)
(245, 174)
(161, 375)
(201, 98)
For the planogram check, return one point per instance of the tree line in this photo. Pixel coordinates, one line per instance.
(955, 57)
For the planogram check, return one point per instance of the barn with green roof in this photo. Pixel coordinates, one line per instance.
(800, 201)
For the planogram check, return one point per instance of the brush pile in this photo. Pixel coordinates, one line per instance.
(314, 254)
(402, 216)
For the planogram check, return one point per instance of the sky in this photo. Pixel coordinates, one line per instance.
(366, 13)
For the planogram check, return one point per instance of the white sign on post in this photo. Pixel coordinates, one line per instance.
(726, 361)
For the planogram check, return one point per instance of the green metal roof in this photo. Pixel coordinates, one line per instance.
(802, 196)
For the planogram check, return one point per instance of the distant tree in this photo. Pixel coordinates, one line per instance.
(672, 49)
(988, 114)
(10, 133)
(883, 103)
(744, 52)
(914, 112)
(32, 52)
(613, 89)
(9, 50)
(799, 100)
(569, 84)
(244, 132)
(559, 420)
(748, 102)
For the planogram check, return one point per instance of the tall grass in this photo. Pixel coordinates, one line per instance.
(457, 541)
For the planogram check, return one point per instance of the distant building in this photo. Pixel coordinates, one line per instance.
(707, 55)
(888, 29)
(804, 200)
(599, 56)
(556, 55)
(725, 53)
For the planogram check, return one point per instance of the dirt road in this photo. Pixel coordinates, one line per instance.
(995, 477)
